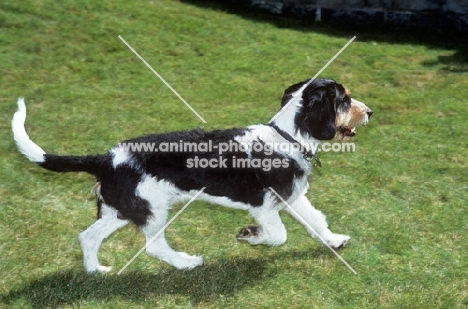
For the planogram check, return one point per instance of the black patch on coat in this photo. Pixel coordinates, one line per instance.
(316, 117)
(246, 185)
(118, 190)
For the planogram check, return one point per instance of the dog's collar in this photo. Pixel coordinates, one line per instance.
(307, 154)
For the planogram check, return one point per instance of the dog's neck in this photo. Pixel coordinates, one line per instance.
(285, 120)
(307, 152)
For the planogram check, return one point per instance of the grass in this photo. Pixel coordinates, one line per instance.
(401, 196)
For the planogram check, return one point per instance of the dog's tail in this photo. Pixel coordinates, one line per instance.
(91, 164)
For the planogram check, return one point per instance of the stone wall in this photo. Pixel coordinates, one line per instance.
(447, 15)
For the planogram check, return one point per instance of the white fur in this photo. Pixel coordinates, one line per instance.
(121, 156)
(272, 230)
(362, 107)
(270, 136)
(160, 195)
(317, 221)
(91, 238)
(27, 147)
(222, 200)
(284, 119)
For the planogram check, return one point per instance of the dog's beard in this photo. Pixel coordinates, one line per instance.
(345, 133)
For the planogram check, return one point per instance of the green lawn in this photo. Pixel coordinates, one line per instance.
(401, 196)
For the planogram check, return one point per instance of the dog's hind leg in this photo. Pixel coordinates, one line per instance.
(91, 238)
(157, 246)
(160, 196)
(315, 222)
(271, 230)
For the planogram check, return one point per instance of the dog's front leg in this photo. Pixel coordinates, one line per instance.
(270, 230)
(315, 222)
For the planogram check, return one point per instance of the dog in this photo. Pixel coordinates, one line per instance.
(140, 185)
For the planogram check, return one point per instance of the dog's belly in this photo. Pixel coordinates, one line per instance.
(299, 188)
(224, 201)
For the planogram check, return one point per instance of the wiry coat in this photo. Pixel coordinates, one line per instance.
(139, 186)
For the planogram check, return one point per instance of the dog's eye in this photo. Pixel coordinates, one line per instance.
(345, 104)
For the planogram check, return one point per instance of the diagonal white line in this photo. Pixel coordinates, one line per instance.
(316, 234)
(161, 230)
(162, 79)
(296, 97)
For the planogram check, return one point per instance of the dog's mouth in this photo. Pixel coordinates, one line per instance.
(347, 131)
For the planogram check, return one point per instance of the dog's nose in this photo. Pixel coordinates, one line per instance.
(369, 112)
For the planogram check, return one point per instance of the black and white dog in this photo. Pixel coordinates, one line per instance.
(139, 186)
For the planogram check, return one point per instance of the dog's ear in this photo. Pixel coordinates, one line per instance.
(287, 95)
(317, 117)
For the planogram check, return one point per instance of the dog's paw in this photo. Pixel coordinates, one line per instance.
(338, 241)
(99, 269)
(248, 232)
(186, 262)
(104, 269)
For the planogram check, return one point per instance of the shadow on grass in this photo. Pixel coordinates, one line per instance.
(458, 62)
(200, 285)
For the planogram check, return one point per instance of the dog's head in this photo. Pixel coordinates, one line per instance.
(326, 110)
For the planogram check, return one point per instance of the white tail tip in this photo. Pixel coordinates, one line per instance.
(25, 145)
